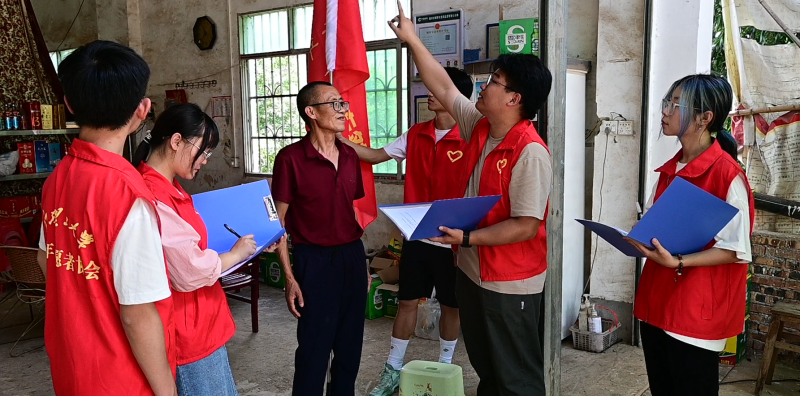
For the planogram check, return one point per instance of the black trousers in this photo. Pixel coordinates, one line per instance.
(675, 368)
(334, 285)
(503, 339)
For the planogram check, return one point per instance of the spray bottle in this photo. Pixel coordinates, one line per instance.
(583, 315)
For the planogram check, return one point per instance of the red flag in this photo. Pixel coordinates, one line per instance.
(337, 47)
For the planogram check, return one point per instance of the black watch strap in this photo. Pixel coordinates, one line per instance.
(465, 240)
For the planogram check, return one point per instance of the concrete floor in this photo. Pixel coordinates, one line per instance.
(263, 363)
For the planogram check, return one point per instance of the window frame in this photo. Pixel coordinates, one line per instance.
(403, 76)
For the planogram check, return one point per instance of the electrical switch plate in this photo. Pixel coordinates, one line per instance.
(609, 127)
(625, 128)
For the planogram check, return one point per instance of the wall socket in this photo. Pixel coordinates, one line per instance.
(609, 127)
(625, 128)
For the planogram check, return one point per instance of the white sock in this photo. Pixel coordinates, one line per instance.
(446, 349)
(397, 353)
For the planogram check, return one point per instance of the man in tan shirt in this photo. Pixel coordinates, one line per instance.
(503, 263)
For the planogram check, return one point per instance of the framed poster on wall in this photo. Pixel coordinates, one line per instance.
(421, 107)
(479, 79)
(443, 35)
(492, 40)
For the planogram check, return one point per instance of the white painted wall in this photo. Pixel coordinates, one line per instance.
(683, 28)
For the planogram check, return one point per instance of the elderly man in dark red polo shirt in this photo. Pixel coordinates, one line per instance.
(314, 185)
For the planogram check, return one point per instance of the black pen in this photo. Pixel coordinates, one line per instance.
(232, 231)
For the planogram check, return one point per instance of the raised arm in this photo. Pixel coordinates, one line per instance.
(366, 154)
(433, 74)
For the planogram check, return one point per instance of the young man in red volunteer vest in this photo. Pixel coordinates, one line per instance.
(502, 264)
(109, 328)
(435, 170)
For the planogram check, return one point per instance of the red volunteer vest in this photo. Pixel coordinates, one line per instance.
(434, 170)
(85, 203)
(515, 261)
(705, 302)
(203, 320)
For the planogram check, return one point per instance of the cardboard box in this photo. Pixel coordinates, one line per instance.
(272, 271)
(386, 269)
(32, 115)
(390, 299)
(62, 116)
(54, 152)
(42, 151)
(27, 157)
(736, 347)
(374, 300)
(47, 117)
(519, 36)
(17, 207)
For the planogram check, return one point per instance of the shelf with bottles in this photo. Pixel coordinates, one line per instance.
(39, 132)
(25, 176)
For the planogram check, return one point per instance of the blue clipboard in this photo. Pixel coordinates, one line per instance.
(684, 220)
(422, 221)
(247, 208)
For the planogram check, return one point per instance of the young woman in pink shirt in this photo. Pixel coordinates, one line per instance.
(178, 146)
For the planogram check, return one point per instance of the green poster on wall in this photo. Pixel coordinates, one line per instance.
(519, 36)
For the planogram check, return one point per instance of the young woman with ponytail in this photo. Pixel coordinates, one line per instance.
(178, 146)
(689, 305)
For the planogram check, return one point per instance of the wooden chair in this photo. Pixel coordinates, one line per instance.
(246, 276)
(781, 313)
(30, 286)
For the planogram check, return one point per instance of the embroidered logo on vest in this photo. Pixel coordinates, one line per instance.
(501, 164)
(454, 155)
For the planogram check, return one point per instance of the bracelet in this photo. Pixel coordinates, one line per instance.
(680, 265)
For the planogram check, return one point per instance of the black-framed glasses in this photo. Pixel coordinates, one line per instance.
(338, 105)
(207, 153)
(490, 82)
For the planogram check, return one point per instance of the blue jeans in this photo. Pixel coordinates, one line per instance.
(208, 376)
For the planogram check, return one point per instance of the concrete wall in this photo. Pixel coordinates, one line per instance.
(680, 45)
(616, 158)
(55, 17)
(161, 32)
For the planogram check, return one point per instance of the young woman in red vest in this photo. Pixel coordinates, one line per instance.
(178, 146)
(689, 305)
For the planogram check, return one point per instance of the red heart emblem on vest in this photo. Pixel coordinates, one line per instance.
(454, 155)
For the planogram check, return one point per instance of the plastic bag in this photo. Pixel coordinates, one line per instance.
(428, 314)
(8, 163)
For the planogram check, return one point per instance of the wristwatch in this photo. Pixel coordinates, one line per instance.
(465, 240)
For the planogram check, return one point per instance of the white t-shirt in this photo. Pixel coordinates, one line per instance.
(735, 236)
(398, 148)
(140, 275)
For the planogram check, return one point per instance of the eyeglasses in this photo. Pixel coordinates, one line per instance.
(670, 106)
(338, 105)
(207, 153)
(490, 82)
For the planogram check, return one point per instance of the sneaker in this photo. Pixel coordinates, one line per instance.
(390, 382)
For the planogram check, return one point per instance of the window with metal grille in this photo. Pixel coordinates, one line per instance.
(273, 49)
